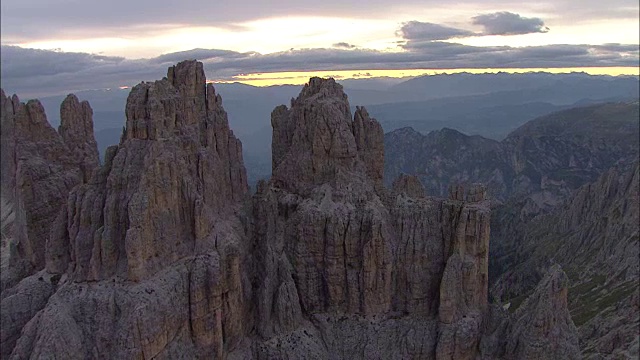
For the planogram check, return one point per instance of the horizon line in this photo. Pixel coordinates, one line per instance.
(264, 79)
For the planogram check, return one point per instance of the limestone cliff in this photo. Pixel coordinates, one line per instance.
(177, 170)
(564, 190)
(39, 168)
(76, 129)
(594, 236)
(162, 253)
(151, 241)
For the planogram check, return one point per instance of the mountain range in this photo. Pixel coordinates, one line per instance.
(490, 105)
(564, 190)
(161, 251)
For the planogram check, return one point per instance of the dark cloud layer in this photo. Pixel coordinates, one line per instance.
(424, 35)
(507, 23)
(200, 54)
(33, 72)
(416, 30)
(344, 45)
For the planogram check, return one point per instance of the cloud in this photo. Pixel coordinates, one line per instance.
(199, 54)
(421, 31)
(344, 45)
(27, 62)
(427, 36)
(507, 23)
(618, 47)
(31, 72)
(37, 19)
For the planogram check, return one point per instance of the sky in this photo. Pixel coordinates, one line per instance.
(57, 46)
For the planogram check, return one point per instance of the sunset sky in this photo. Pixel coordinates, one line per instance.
(68, 45)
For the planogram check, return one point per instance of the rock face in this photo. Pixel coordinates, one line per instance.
(599, 232)
(76, 129)
(39, 168)
(177, 169)
(162, 254)
(543, 326)
(333, 241)
(566, 193)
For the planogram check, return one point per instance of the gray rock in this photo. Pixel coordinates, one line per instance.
(161, 254)
(39, 169)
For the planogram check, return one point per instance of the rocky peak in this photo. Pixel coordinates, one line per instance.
(177, 172)
(189, 79)
(151, 111)
(76, 129)
(319, 90)
(409, 185)
(39, 168)
(175, 104)
(370, 143)
(543, 328)
(318, 141)
(366, 255)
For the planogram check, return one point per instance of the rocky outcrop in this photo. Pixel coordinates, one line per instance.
(408, 185)
(333, 243)
(76, 129)
(39, 168)
(543, 328)
(594, 236)
(156, 199)
(155, 229)
(162, 254)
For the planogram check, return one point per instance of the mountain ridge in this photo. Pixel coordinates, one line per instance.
(163, 252)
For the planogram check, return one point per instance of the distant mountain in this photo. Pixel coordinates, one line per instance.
(490, 105)
(497, 113)
(567, 86)
(446, 156)
(544, 159)
(468, 115)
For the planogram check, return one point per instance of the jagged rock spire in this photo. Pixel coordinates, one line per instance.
(76, 129)
(318, 140)
(40, 166)
(156, 200)
(543, 328)
(409, 185)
